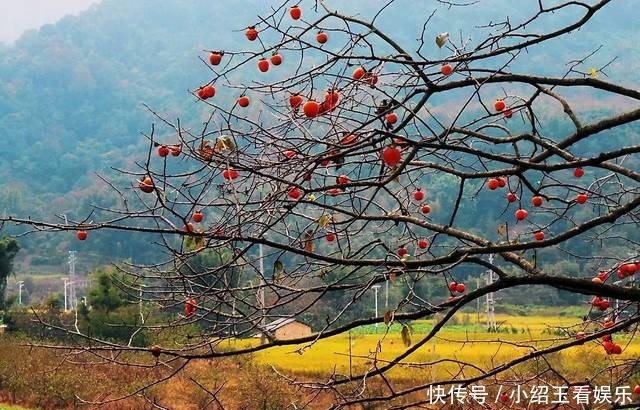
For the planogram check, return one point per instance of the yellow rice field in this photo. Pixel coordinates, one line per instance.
(465, 343)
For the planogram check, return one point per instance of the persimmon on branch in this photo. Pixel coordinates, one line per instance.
(335, 170)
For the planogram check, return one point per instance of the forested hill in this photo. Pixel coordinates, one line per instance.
(71, 93)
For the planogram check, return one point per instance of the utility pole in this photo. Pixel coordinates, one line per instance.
(72, 279)
(66, 283)
(375, 290)
(20, 284)
(386, 294)
(478, 303)
(490, 301)
(263, 320)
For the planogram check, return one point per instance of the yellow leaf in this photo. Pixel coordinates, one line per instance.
(593, 73)
(311, 197)
(224, 143)
(406, 335)
(199, 242)
(278, 268)
(441, 39)
(324, 220)
(308, 241)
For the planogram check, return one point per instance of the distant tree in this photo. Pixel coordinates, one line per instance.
(8, 250)
(110, 312)
(54, 302)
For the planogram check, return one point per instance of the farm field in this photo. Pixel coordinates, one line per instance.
(468, 343)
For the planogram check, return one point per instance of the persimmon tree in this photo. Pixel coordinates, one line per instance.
(334, 158)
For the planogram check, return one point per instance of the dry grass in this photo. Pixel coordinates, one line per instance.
(250, 383)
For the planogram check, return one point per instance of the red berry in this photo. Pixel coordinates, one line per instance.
(295, 101)
(423, 243)
(580, 335)
(324, 161)
(263, 65)
(295, 12)
(176, 150)
(502, 182)
(608, 346)
(289, 154)
(371, 78)
(358, 73)
(581, 198)
(508, 113)
(425, 209)
(333, 192)
(511, 197)
(504, 398)
(197, 216)
(391, 156)
(331, 237)
(276, 59)
(521, 214)
(190, 307)
(493, 184)
(446, 69)
(499, 105)
(188, 227)
(207, 91)
(578, 172)
(311, 108)
(349, 139)
(215, 58)
(343, 179)
(146, 185)
(539, 236)
(452, 286)
(460, 288)
(617, 349)
(418, 195)
(391, 118)
(331, 98)
(402, 251)
(251, 33)
(163, 151)
(243, 101)
(155, 350)
(322, 37)
(82, 235)
(536, 201)
(636, 389)
(603, 275)
(230, 174)
(631, 268)
(295, 193)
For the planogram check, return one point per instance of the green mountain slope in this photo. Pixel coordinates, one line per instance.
(71, 93)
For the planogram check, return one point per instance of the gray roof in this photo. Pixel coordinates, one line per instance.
(278, 323)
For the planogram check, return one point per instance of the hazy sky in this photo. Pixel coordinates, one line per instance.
(17, 16)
